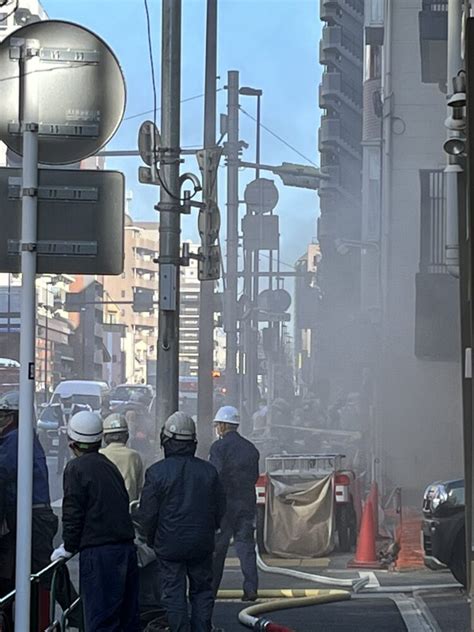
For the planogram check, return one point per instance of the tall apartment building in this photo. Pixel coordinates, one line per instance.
(340, 135)
(306, 305)
(407, 295)
(190, 288)
(139, 329)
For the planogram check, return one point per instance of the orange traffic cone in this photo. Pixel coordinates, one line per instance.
(366, 556)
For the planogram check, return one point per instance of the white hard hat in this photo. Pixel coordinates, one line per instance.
(85, 427)
(179, 426)
(115, 423)
(227, 415)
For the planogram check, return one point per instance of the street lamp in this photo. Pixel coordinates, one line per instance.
(251, 284)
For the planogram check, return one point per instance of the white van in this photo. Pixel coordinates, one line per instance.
(83, 392)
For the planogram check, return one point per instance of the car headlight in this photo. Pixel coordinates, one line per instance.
(439, 495)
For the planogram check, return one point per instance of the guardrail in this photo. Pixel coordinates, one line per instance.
(38, 621)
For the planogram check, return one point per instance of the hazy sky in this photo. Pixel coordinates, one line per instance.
(274, 45)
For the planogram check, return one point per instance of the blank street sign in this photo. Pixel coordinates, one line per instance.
(80, 221)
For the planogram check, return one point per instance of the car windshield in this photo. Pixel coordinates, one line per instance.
(79, 398)
(124, 393)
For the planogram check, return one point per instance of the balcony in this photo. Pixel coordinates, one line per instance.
(336, 39)
(333, 86)
(433, 23)
(328, 9)
(333, 133)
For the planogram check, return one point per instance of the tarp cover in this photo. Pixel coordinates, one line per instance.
(299, 517)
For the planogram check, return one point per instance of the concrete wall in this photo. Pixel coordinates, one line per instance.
(419, 408)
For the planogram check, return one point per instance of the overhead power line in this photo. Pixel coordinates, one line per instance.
(282, 140)
(193, 98)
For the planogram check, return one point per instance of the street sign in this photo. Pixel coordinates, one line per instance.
(81, 91)
(276, 301)
(261, 196)
(143, 300)
(261, 232)
(149, 142)
(80, 221)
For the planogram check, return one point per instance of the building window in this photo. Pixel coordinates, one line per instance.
(432, 221)
(122, 293)
(373, 62)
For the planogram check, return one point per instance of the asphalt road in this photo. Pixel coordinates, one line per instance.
(424, 611)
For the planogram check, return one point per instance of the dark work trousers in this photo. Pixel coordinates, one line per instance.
(241, 527)
(108, 577)
(44, 527)
(174, 577)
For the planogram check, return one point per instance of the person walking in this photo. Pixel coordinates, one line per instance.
(97, 523)
(128, 461)
(236, 460)
(181, 508)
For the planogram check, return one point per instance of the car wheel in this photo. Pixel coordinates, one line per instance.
(457, 564)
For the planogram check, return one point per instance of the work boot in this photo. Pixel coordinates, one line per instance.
(250, 596)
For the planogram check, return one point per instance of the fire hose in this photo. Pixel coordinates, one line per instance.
(252, 617)
(354, 584)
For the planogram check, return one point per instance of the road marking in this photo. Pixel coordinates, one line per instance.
(411, 614)
(373, 581)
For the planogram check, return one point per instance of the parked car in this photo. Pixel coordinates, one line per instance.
(83, 392)
(129, 392)
(443, 527)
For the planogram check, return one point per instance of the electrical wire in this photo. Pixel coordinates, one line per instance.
(155, 103)
(152, 64)
(282, 140)
(193, 98)
(5, 17)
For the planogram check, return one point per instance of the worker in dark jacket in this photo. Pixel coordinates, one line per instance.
(181, 507)
(44, 522)
(97, 523)
(236, 460)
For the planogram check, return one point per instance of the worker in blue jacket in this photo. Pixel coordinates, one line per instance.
(236, 460)
(44, 521)
(181, 508)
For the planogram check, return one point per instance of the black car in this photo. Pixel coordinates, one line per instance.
(443, 528)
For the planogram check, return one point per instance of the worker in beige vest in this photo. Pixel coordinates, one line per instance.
(128, 461)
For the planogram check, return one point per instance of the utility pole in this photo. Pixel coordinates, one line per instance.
(29, 219)
(230, 305)
(206, 304)
(167, 369)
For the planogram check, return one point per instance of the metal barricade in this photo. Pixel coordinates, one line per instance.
(36, 623)
(313, 465)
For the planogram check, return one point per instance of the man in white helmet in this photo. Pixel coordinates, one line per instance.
(181, 507)
(97, 523)
(128, 461)
(236, 460)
